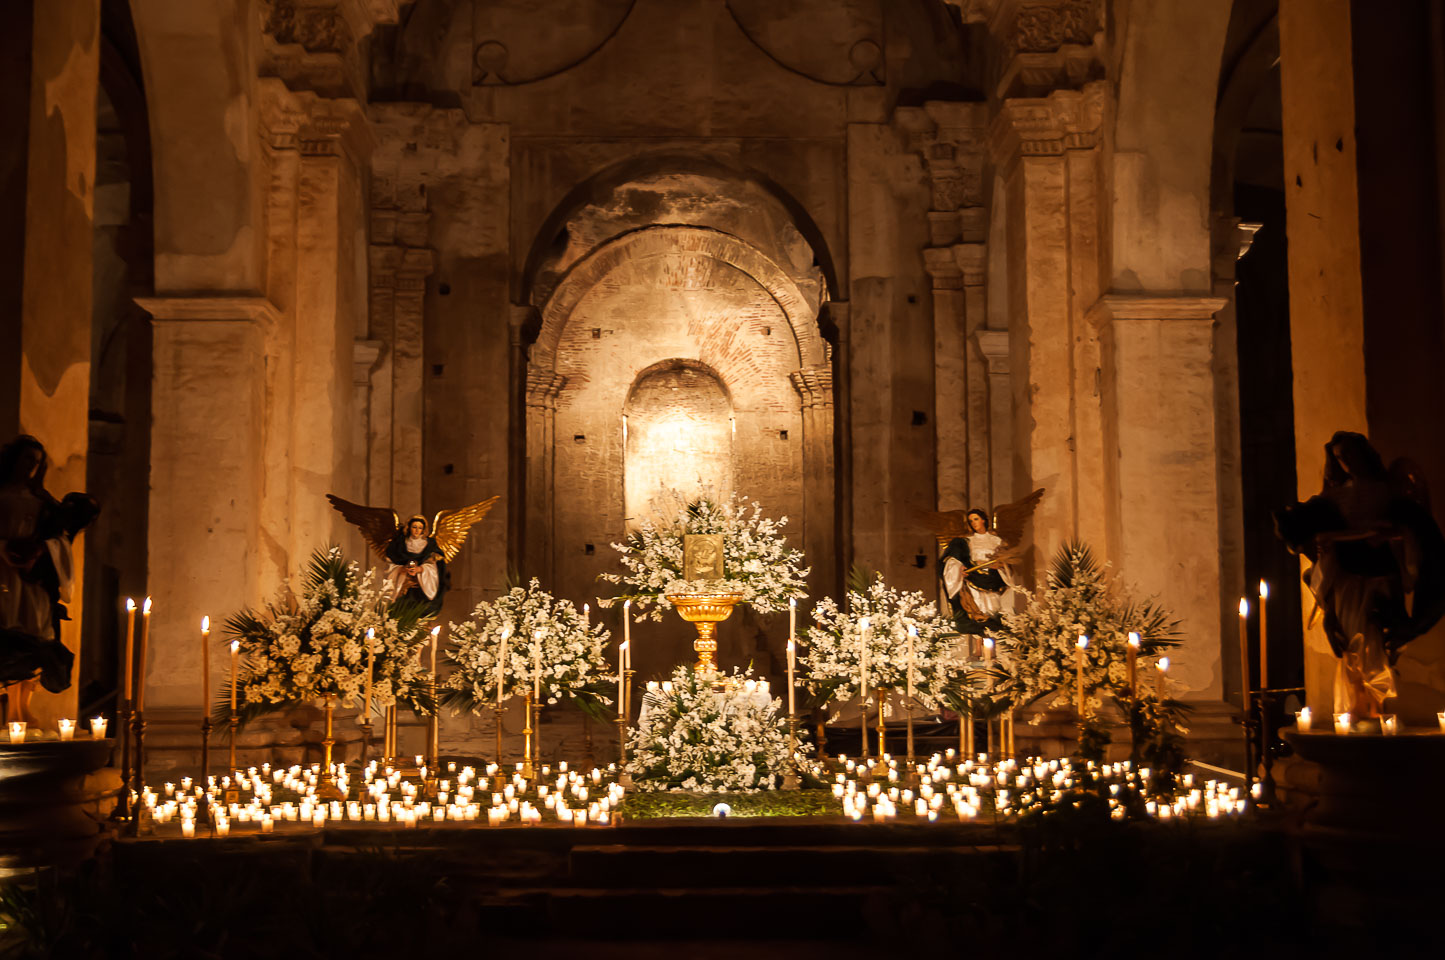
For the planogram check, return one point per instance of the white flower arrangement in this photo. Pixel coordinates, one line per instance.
(758, 564)
(706, 731)
(832, 660)
(1038, 646)
(301, 649)
(547, 642)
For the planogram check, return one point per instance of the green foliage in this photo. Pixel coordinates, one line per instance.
(774, 803)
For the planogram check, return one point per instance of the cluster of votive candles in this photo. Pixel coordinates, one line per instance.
(1345, 724)
(566, 796)
(1007, 788)
(65, 729)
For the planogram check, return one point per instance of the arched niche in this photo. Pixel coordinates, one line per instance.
(679, 437)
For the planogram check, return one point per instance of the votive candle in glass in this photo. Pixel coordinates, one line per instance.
(17, 731)
(67, 729)
(1302, 719)
(1389, 725)
(97, 727)
(1342, 723)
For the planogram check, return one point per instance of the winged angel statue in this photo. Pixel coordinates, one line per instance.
(419, 553)
(977, 551)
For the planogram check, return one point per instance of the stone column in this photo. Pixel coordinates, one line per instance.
(207, 458)
(49, 189)
(972, 260)
(543, 386)
(950, 411)
(993, 345)
(1326, 303)
(815, 388)
(1161, 447)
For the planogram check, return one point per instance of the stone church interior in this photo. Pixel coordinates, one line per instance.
(891, 476)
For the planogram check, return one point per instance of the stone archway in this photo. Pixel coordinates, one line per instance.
(682, 310)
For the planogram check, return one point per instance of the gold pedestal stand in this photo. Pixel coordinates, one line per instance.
(234, 724)
(791, 779)
(328, 788)
(365, 726)
(137, 734)
(122, 810)
(705, 611)
(500, 762)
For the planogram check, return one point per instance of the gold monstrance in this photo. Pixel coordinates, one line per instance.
(703, 560)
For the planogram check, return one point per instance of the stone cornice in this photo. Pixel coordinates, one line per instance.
(1116, 307)
(814, 385)
(312, 124)
(234, 308)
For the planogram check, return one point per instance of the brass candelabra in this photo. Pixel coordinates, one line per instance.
(882, 729)
(123, 720)
(528, 761)
(497, 713)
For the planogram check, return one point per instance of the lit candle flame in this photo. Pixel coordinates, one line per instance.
(205, 624)
(146, 607)
(1243, 607)
(1083, 641)
(435, 631)
(235, 646)
(129, 604)
(1133, 639)
(1264, 590)
(1163, 664)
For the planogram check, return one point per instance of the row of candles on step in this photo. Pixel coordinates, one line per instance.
(1345, 724)
(65, 730)
(1011, 788)
(568, 796)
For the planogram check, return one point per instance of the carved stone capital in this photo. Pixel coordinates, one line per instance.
(220, 307)
(543, 386)
(943, 268)
(993, 344)
(1048, 126)
(949, 137)
(312, 125)
(814, 386)
(972, 260)
(364, 357)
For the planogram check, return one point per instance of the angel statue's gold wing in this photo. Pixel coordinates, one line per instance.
(450, 526)
(377, 524)
(945, 525)
(1009, 519)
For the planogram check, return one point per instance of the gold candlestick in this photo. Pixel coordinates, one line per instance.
(328, 789)
(138, 734)
(497, 714)
(621, 740)
(527, 739)
(365, 740)
(791, 778)
(205, 748)
(882, 730)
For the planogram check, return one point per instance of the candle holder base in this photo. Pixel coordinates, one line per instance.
(365, 741)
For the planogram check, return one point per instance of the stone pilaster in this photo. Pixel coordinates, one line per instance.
(1046, 154)
(951, 138)
(49, 195)
(542, 389)
(1157, 384)
(207, 478)
(815, 388)
(993, 347)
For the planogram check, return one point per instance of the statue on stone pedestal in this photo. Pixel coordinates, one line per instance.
(417, 553)
(36, 574)
(974, 567)
(1378, 574)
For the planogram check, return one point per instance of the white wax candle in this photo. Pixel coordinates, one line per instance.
(537, 667)
(205, 666)
(1342, 723)
(791, 682)
(1302, 719)
(370, 672)
(502, 661)
(67, 729)
(17, 731)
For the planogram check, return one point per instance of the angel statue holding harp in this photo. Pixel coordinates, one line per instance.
(977, 550)
(419, 552)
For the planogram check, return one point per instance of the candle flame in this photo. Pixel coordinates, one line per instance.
(235, 646)
(1083, 641)
(370, 632)
(1264, 589)
(790, 646)
(912, 630)
(146, 607)
(536, 634)
(1243, 607)
(1133, 639)
(435, 631)
(129, 604)
(792, 601)
(624, 645)
(205, 624)
(1163, 664)
(988, 643)
(863, 624)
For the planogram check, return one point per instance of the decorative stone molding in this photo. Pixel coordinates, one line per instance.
(943, 268)
(950, 137)
(1115, 307)
(248, 308)
(1048, 126)
(993, 344)
(317, 28)
(312, 125)
(1040, 45)
(543, 387)
(315, 44)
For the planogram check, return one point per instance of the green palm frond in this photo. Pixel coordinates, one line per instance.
(860, 578)
(1074, 561)
(327, 564)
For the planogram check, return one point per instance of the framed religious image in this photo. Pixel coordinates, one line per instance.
(702, 556)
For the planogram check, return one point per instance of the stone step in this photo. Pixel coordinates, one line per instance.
(805, 867)
(728, 913)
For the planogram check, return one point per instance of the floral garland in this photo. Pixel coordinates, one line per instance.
(758, 564)
(301, 649)
(705, 731)
(833, 659)
(547, 642)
